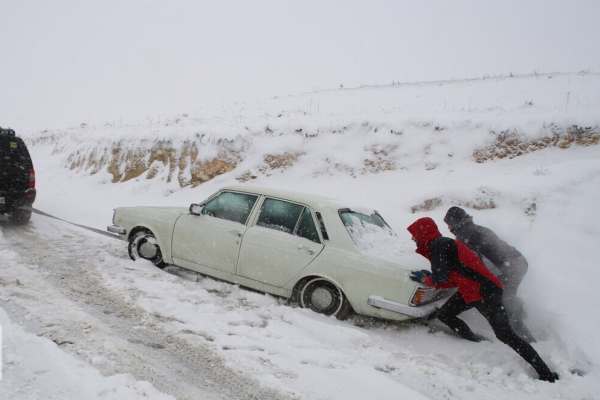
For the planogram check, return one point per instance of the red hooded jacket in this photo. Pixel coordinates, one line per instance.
(451, 273)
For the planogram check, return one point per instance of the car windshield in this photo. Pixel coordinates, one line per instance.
(372, 235)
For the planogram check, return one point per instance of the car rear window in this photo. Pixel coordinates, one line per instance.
(371, 234)
(354, 219)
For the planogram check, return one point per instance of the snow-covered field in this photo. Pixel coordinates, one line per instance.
(133, 330)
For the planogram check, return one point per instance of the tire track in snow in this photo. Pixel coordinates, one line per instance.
(125, 339)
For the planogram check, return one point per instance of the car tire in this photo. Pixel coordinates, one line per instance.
(142, 241)
(324, 297)
(20, 216)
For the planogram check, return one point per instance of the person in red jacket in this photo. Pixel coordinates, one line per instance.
(453, 264)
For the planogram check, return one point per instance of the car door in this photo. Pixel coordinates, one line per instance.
(283, 241)
(212, 239)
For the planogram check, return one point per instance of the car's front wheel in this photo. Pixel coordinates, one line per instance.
(143, 244)
(324, 297)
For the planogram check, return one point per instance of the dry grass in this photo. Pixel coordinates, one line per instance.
(427, 205)
(484, 200)
(182, 163)
(381, 158)
(509, 144)
(271, 163)
(205, 171)
(246, 176)
(278, 162)
(186, 164)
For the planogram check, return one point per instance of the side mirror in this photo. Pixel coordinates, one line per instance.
(196, 209)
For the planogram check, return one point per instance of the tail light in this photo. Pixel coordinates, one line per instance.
(426, 295)
(31, 179)
(420, 297)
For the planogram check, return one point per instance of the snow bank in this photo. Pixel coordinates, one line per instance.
(426, 125)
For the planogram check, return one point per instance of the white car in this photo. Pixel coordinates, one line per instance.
(293, 245)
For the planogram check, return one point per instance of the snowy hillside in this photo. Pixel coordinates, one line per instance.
(370, 134)
(522, 154)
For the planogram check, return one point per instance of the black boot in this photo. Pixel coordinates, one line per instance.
(544, 372)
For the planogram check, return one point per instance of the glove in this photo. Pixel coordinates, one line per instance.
(419, 276)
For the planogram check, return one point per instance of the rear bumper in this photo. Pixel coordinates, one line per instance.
(11, 201)
(411, 311)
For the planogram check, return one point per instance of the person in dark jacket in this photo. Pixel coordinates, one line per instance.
(510, 263)
(453, 264)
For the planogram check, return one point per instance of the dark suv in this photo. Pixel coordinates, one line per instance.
(17, 178)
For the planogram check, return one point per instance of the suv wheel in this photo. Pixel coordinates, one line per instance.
(20, 216)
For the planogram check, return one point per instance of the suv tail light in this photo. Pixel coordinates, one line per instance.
(31, 179)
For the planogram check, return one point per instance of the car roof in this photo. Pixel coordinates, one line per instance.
(336, 231)
(315, 201)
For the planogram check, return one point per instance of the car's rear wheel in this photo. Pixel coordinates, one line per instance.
(324, 297)
(20, 216)
(143, 244)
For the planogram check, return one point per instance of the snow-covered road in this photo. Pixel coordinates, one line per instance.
(52, 285)
(193, 337)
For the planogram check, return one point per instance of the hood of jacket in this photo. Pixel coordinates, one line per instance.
(456, 218)
(424, 231)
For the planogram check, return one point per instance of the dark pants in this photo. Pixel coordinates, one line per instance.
(512, 276)
(492, 309)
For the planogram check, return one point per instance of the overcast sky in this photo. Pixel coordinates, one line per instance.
(64, 62)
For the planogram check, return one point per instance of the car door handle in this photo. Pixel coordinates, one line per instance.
(236, 233)
(308, 250)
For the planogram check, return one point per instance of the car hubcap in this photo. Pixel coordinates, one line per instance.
(321, 298)
(145, 246)
(147, 250)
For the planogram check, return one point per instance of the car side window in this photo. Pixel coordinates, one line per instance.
(279, 215)
(231, 206)
(307, 228)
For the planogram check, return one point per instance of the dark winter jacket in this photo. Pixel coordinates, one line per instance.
(453, 264)
(483, 241)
